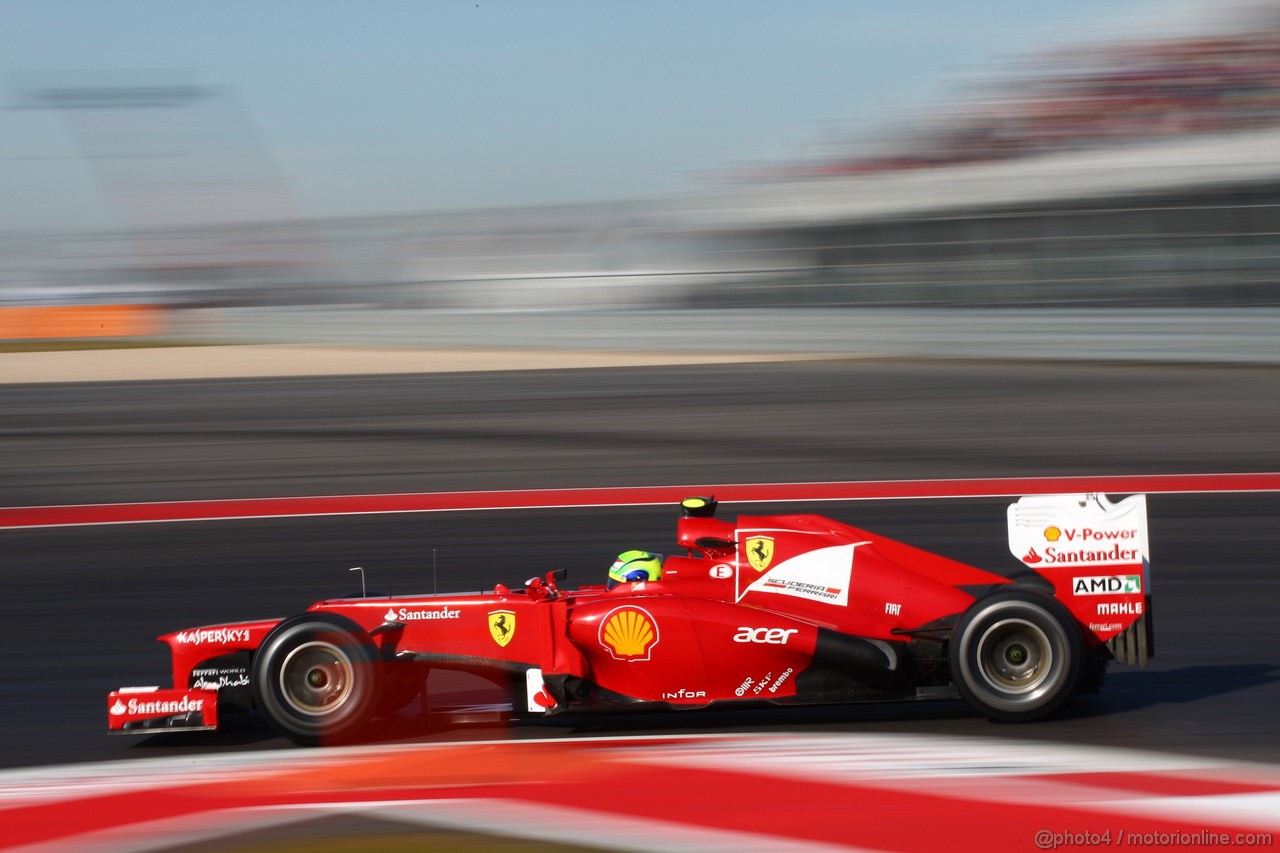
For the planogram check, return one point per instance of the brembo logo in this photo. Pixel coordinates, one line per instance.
(406, 615)
(178, 706)
(223, 636)
(758, 686)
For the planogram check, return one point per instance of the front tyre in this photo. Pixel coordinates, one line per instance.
(316, 678)
(1016, 655)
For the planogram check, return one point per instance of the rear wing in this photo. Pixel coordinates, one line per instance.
(1096, 554)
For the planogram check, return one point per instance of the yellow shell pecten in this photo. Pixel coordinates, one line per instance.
(629, 633)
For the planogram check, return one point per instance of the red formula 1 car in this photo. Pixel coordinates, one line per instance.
(787, 609)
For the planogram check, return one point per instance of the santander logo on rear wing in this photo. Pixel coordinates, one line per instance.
(1095, 554)
(1081, 531)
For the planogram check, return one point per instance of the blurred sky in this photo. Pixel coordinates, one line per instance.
(391, 106)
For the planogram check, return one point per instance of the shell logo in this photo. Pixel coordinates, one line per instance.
(1052, 533)
(629, 633)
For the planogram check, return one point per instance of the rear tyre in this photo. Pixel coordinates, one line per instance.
(316, 678)
(1016, 655)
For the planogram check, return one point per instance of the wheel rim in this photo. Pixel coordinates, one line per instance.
(316, 678)
(1015, 657)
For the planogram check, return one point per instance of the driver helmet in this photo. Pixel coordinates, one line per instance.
(635, 566)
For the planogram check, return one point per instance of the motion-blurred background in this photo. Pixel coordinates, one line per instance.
(501, 156)
(1092, 180)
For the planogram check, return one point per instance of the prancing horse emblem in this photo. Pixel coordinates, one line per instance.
(502, 626)
(760, 552)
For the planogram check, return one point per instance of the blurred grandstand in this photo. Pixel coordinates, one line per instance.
(1096, 95)
(1134, 172)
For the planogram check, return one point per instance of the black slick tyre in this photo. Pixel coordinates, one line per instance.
(1016, 655)
(316, 678)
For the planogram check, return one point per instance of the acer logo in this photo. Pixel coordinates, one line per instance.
(768, 636)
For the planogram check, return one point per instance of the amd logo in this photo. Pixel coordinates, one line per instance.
(1107, 585)
(768, 636)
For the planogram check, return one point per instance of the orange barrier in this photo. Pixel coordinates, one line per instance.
(80, 321)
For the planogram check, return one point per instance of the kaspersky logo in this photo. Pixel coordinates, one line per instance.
(224, 636)
(629, 633)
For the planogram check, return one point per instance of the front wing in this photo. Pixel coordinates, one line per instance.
(146, 710)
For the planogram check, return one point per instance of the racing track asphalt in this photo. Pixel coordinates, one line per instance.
(83, 604)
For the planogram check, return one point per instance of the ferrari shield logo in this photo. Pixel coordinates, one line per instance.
(502, 626)
(760, 552)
